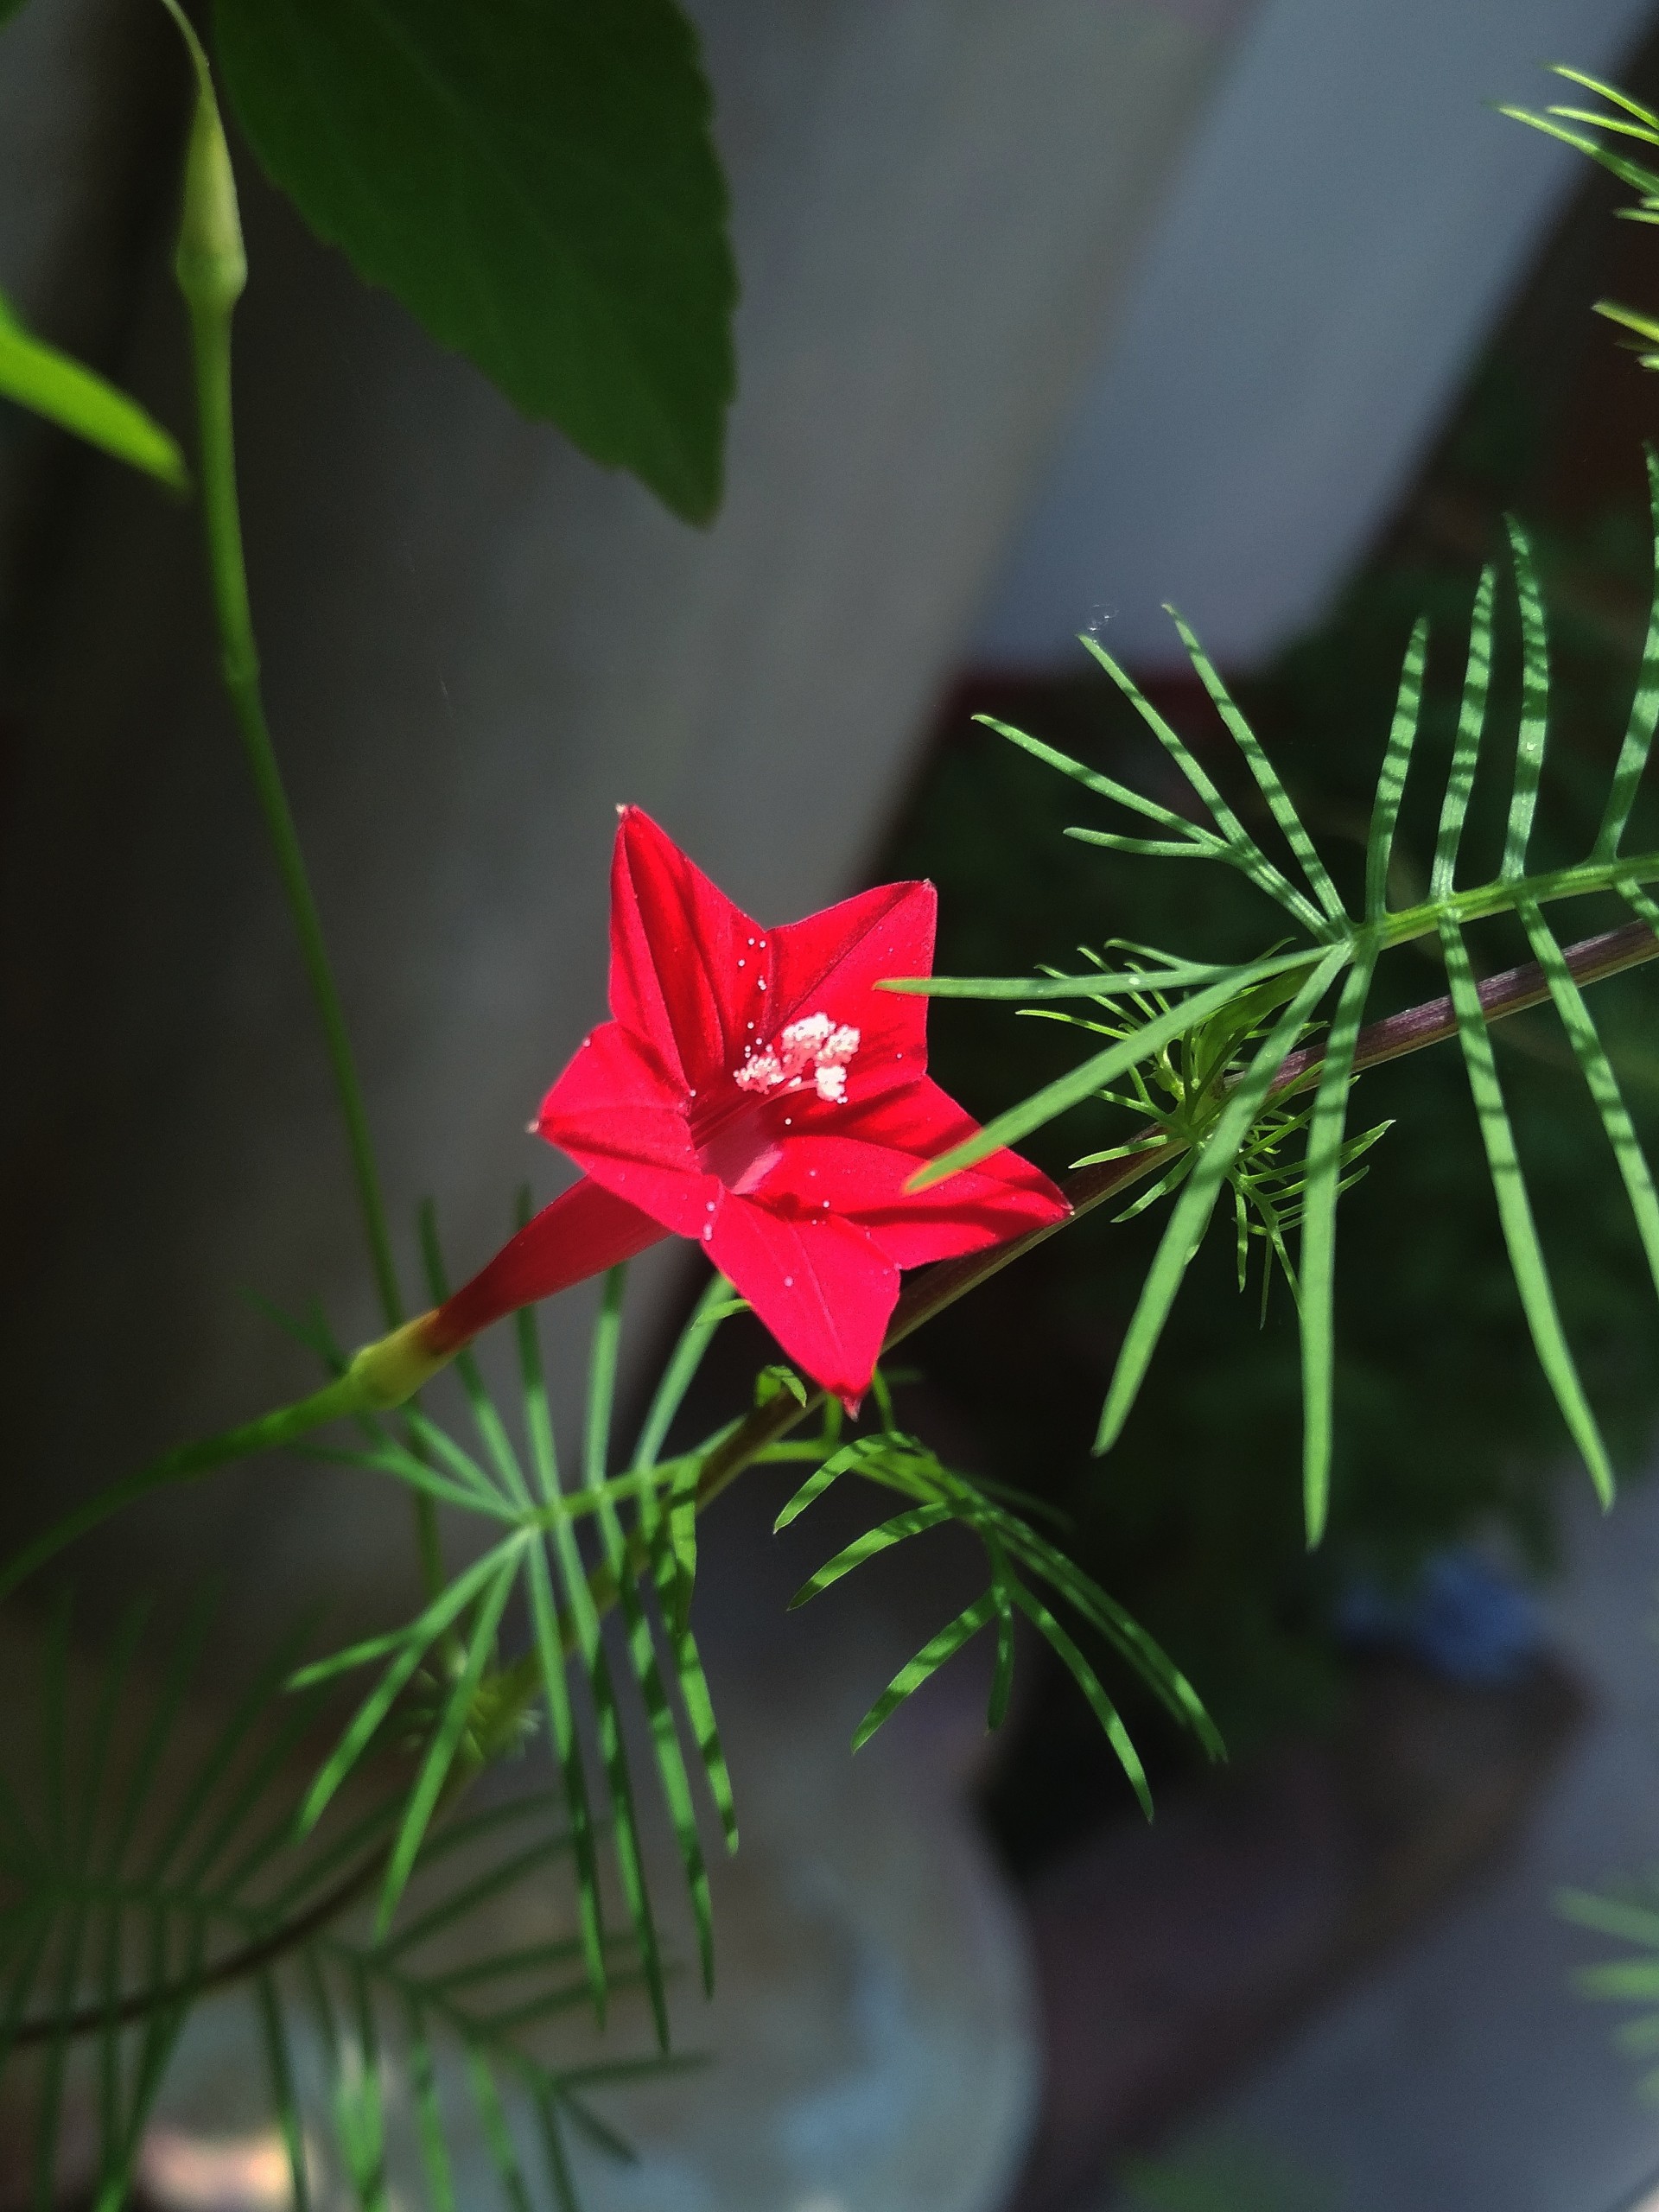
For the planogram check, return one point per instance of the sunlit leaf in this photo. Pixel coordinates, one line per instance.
(1514, 1212)
(1317, 1306)
(38, 376)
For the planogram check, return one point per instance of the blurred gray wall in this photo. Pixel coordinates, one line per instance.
(1345, 229)
(476, 643)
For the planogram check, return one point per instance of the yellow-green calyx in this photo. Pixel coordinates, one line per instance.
(211, 263)
(393, 1368)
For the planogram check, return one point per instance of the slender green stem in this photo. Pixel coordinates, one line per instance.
(212, 334)
(212, 270)
(1504, 893)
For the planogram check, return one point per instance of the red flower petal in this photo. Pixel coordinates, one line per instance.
(675, 942)
(821, 1287)
(795, 1194)
(861, 1170)
(830, 963)
(619, 1116)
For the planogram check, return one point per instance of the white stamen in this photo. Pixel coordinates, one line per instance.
(813, 1047)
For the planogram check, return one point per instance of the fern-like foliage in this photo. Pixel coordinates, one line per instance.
(1024, 1571)
(1607, 134)
(346, 1906)
(146, 1863)
(1223, 1041)
(1171, 1096)
(1629, 1914)
(569, 1551)
(628, 1540)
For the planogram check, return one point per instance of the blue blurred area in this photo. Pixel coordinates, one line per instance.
(1460, 1617)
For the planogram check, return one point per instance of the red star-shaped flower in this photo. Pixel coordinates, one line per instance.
(755, 1091)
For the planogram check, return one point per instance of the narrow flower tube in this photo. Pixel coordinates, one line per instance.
(583, 1232)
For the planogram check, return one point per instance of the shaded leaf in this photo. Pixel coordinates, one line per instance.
(536, 179)
(926, 1663)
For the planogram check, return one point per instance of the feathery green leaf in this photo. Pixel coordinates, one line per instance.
(1192, 1213)
(1514, 1212)
(1317, 1307)
(1391, 783)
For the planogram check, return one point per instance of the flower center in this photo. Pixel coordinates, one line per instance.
(814, 1049)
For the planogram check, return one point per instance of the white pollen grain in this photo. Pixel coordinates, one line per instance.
(760, 982)
(788, 1282)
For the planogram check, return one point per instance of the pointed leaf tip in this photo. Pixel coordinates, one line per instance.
(62, 391)
(539, 185)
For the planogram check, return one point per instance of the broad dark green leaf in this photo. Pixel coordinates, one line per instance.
(536, 182)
